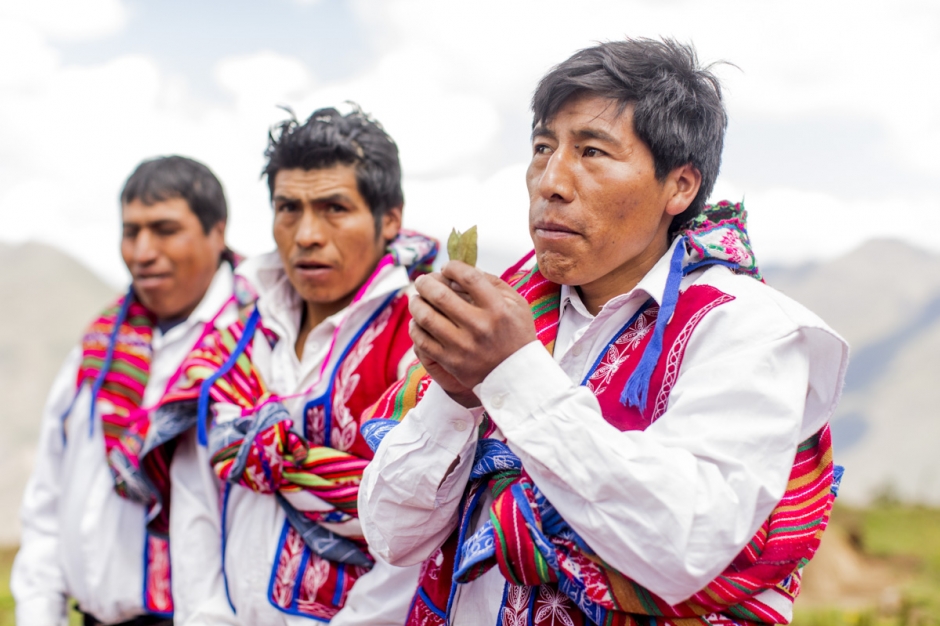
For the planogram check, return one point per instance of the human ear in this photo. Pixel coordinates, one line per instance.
(391, 223)
(683, 184)
(216, 236)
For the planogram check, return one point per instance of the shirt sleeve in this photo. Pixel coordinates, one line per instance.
(671, 506)
(410, 491)
(199, 594)
(37, 580)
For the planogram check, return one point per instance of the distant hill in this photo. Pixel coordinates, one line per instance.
(48, 299)
(884, 298)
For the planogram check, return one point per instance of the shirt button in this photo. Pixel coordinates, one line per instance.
(459, 426)
(576, 350)
(498, 400)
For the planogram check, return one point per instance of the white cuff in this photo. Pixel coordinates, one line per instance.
(447, 423)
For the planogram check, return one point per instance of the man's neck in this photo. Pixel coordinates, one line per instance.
(622, 279)
(313, 314)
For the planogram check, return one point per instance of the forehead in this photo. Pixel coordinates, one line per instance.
(177, 209)
(589, 112)
(318, 184)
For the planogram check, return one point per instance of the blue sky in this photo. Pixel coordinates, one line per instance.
(833, 107)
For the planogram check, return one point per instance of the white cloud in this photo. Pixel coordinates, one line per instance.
(68, 19)
(259, 79)
(452, 84)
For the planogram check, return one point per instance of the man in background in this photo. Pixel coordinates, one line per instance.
(87, 534)
(323, 332)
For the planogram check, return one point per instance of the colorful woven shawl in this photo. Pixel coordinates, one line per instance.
(118, 343)
(257, 449)
(532, 545)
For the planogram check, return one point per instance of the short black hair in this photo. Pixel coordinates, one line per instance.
(678, 110)
(330, 138)
(164, 178)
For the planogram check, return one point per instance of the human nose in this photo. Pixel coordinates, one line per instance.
(146, 250)
(557, 180)
(310, 232)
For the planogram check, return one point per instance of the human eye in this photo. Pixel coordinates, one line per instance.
(130, 232)
(336, 209)
(590, 151)
(541, 148)
(285, 207)
(167, 229)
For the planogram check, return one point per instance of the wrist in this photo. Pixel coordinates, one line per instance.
(465, 398)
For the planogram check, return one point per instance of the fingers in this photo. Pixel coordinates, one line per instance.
(430, 320)
(473, 281)
(438, 293)
(427, 348)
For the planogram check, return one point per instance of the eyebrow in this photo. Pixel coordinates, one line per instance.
(542, 131)
(589, 133)
(151, 224)
(336, 197)
(581, 134)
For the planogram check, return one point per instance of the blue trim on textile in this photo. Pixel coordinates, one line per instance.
(228, 596)
(427, 602)
(461, 538)
(340, 574)
(163, 614)
(203, 406)
(293, 610)
(326, 396)
(108, 358)
(617, 336)
(502, 603)
(295, 593)
(143, 585)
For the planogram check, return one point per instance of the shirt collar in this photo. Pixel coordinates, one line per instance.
(280, 304)
(652, 285)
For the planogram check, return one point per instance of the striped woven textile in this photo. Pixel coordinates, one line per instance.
(119, 342)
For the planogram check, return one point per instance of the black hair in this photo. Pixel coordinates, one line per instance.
(330, 138)
(678, 111)
(164, 178)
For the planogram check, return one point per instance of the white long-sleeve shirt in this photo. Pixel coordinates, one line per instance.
(254, 521)
(80, 539)
(669, 506)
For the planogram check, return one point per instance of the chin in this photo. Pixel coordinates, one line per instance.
(558, 268)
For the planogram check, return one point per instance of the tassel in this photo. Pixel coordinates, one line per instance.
(636, 390)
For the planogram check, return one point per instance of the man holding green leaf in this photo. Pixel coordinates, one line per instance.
(635, 429)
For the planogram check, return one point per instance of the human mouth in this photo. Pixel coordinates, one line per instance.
(554, 230)
(312, 269)
(147, 282)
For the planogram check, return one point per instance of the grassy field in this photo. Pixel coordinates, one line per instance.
(878, 567)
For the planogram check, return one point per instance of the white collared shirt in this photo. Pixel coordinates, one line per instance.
(254, 521)
(670, 506)
(80, 539)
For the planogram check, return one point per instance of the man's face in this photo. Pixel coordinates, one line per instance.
(595, 205)
(171, 260)
(326, 234)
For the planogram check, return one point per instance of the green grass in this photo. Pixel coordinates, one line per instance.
(7, 616)
(907, 537)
